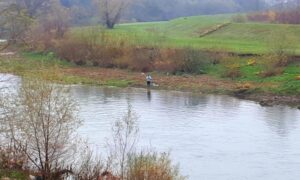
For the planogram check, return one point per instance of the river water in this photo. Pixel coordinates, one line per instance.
(212, 137)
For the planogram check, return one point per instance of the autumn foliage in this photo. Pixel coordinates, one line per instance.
(291, 16)
(108, 52)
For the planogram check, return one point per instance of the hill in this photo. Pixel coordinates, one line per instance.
(215, 32)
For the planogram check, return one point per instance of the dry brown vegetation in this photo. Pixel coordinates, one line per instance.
(136, 58)
(232, 67)
(95, 46)
(39, 123)
(273, 65)
(291, 16)
(152, 166)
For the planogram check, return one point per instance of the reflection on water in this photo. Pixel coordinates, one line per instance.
(149, 94)
(281, 121)
(213, 137)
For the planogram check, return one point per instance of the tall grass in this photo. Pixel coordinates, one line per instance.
(99, 47)
(152, 166)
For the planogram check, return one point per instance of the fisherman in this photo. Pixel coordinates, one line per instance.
(149, 80)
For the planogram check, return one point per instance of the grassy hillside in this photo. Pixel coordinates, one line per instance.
(181, 27)
(236, 37)
(215, 33)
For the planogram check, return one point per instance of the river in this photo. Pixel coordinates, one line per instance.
(213, 137)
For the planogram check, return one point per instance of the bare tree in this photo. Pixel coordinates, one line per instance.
(112, 10)
(56, 20)
(125, 134)
(89, 165)
(17, 26)
(32, 7)
(41, 120)
(14, 22)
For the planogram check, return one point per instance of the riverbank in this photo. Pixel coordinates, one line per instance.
(51, 69)
(189, 83)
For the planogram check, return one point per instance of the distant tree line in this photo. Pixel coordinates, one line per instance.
(110, 12)
(153, 10)
(17, 16)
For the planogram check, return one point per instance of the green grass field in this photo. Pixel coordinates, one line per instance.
(247, 37)
(284, 84)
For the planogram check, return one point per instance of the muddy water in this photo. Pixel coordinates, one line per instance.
(213, 137)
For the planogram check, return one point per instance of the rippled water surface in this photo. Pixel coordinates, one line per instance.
(213, 137)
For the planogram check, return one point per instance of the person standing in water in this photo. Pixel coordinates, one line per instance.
(149, 80)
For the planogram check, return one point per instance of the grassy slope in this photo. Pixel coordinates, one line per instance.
(256, 37)
(237, 37)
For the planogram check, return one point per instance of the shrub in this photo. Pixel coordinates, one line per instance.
(258, 16)
(278, 58)
(166, 65)
(94, 46)
(218, 56)
(266, 16)
(281, 49)
(233, 72)
(142, 59)
(291, 16)
(73, 50)
(272, 65)
(12, 158)
(194, 61)
(271, 72)
(232, 67)
(152, 166)
(170, 61)
(89, 166)
(239, 18)
(82, 52)
(105, 56)
(35, 120)
(42, 35)
(38, 40)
